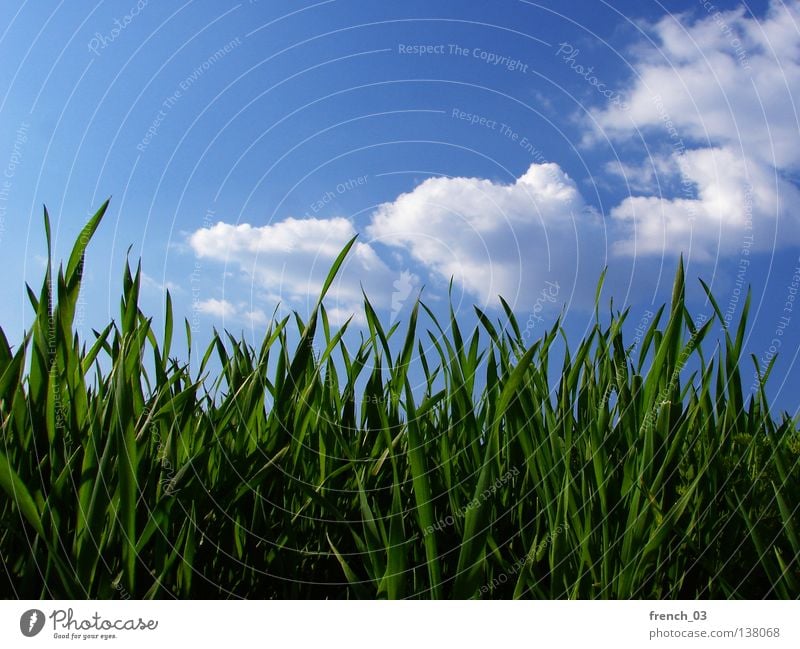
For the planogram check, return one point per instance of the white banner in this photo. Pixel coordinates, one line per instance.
(401, 625)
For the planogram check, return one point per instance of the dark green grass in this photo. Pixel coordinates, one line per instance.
(313, 469)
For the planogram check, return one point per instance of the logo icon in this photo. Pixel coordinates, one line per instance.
(31, 622)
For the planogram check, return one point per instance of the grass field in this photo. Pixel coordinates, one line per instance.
(308, 468)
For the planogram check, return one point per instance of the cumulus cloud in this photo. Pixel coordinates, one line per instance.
(719, 94)
(151, 284)
(496, 238)
(722, 203)
(643, 177)
(492, 238)
(287, 261)
(727, 79)
(228, 312)
(217, 308)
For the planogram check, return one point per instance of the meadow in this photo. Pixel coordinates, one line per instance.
(307, 468)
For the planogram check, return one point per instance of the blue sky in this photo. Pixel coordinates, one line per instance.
(515, 147)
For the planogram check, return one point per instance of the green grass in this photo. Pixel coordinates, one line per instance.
(313, 469)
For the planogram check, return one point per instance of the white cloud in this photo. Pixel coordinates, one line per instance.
(287, 261)
(724, 202)
(152, 284)
(492, 238)
(217, 308)
(644, 177)
(226, 311)
(497, 239)
(727, 79)
(720, 94)
(256, 317)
